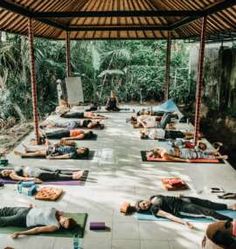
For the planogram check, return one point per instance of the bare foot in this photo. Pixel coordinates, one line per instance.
(25, 147)
(18, 153)
(224, 157)
(233, 207)
(77, 175)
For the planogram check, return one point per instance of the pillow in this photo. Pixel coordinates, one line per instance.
(48, 194)
(174, 183)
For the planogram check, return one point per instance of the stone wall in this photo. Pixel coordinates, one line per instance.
(218, 109)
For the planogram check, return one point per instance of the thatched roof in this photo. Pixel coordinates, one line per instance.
(119, 19)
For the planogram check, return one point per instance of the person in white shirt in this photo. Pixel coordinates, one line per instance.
(37, 220)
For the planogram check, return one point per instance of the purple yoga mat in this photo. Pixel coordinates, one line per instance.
(69, 183)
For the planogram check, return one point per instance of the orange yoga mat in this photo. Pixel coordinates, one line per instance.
(153, 159)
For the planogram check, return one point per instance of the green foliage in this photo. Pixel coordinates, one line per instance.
(135, 70)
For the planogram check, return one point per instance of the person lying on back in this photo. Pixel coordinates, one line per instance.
(65, 134)
(86, 123)
(36, 220)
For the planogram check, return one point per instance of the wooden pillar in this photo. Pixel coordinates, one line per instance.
(33, 81)
(167, 75)
(199, 80)
(68, 64)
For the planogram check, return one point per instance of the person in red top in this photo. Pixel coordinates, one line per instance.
(65, 134)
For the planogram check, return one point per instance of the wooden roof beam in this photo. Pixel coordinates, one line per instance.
(120, 13)
(224, 4)
(18, 9)
(118, 28)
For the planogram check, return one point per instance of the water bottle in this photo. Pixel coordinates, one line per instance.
(19, 187)
(76, 242)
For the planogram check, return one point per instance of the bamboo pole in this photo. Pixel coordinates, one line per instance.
(33, 81)
(200, 80)
(68, 64)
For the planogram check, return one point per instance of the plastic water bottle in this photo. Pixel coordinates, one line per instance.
(76, 242)
(19, 187)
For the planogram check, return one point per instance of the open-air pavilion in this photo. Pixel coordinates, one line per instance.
(115, 174)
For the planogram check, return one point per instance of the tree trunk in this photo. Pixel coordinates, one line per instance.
(19, 112)
(23, 59)
(105, 77)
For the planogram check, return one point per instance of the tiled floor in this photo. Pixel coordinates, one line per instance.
(117, 173)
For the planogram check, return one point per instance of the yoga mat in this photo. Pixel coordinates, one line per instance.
(157, 160)
(93, 138)
(81, 219)
(148, 138)
(122, 110)
(150, 217)
(68, 183)
(90, 157)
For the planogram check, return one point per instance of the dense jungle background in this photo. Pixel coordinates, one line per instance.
(134, 69)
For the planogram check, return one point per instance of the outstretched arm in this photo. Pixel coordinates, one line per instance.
(65, 156)
(174, 218)
(15, 177)
(35, 230)
(173, 158)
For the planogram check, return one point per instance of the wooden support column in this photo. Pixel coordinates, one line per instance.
(68, 64)
(200, 80)
(167, 75)
(33, 81)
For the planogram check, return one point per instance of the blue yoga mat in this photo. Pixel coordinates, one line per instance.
(168, 106)
(142, 216)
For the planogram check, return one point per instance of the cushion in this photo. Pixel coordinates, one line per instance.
(174, 183)
(48, 194)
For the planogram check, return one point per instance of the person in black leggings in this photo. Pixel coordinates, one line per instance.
(40, 174)
(173, 208)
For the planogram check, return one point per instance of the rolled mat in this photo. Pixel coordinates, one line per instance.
(80, 218)
(148, 216)
(146, 159)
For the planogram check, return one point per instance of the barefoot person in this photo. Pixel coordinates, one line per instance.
(56, 151)
(66, 134)
(160, 133)
(184, 154)
(87, 123)
(89, 115)
(173, 208)
(39, 175)
(37, 220)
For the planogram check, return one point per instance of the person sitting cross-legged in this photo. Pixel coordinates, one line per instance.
(112, 103)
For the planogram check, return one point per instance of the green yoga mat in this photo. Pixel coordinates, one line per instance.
(80, 218)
